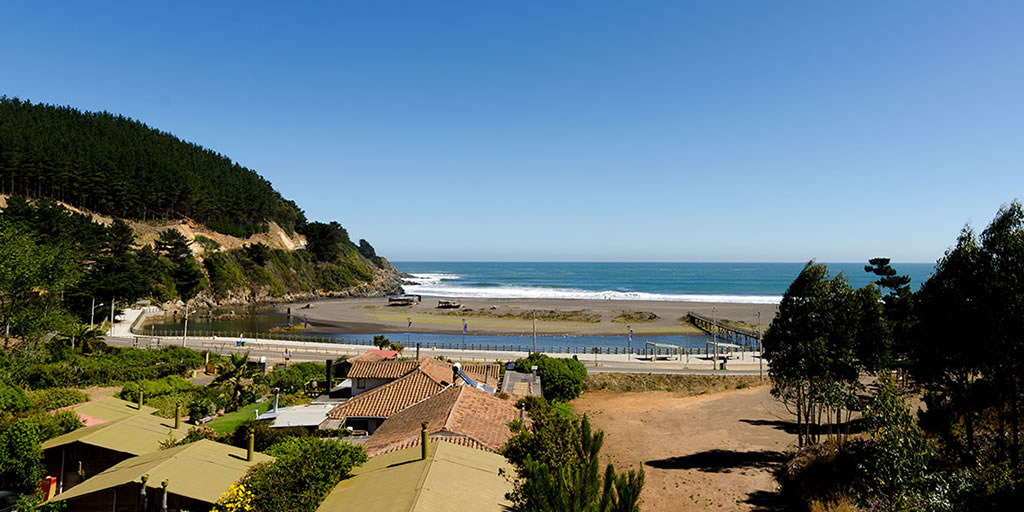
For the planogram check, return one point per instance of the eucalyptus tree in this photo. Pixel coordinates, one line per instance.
(811, 347)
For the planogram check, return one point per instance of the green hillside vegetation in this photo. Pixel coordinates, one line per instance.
(279, 271)
(120, 167)
(59, 262)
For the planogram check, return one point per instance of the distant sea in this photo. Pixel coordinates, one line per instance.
(753, 283)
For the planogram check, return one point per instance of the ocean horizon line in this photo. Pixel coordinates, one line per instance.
(656, 262)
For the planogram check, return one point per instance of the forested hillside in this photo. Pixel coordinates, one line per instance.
(120, 167)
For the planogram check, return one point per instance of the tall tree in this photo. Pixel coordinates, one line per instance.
(32, 279)
(811, 349)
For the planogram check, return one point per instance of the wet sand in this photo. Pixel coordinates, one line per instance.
(492, 316)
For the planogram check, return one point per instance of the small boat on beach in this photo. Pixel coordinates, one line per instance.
(448, 304)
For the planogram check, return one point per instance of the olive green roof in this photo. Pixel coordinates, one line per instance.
(110, 409)
(202, 470)
(136, 434)
(452, 478)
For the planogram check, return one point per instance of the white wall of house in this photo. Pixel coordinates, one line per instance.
(364, 385)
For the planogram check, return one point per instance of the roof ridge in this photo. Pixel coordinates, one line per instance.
(455, 404)
(362, 397)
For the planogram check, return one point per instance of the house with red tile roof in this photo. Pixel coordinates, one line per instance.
(390, 386)
(459, 414)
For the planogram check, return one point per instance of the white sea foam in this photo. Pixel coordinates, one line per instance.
(431, 278)
(430, 284)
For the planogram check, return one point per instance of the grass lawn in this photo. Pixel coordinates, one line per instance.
(230, 421)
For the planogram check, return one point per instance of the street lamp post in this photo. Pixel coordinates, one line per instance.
(629, 343)
(92, 313)
(184, 333)
(534, 331)
(113, 306)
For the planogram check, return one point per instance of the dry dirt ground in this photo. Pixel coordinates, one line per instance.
(709, 452)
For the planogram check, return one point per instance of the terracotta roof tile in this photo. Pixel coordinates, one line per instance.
(390, 398)
(459, 414)
(380, 369)
(374, 355)
(478, 372)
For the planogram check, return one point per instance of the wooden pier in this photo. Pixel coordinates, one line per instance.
(714, 326)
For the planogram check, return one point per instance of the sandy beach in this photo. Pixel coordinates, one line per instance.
(515, 316)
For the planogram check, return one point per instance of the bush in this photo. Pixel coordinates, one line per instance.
(155, 388)
(561, 378)
(293, 379)
(108, 366)
(305, 471)
(265, 435)
(13, 399)
(56, 398)
(21, 458)
(199, 433)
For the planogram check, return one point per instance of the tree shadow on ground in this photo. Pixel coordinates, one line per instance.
(765, 501)
(727, 461)
(856, 426)
(721, 461)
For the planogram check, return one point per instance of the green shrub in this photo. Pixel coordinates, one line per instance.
(56, 398)
(305, 471)
(13, 399)
(165, 404)
(151, 389)
(265, 435)
(21, 458)
(199, 433)
(561, 378)
(208, 244)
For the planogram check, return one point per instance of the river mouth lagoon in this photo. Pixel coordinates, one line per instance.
(568, 306)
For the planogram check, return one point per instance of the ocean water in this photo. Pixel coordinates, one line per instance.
(754, 283)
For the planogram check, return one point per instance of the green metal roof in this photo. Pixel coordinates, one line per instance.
(137, 434)
(202, 470)
(452, 478)
(111, 409)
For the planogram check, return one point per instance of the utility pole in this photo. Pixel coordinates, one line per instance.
(714, 334)
(760, 350)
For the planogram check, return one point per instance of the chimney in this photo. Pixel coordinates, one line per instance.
(252, 445)
(417, 351)
(140, 396)
(142, 493)
(455, 372)
(277, 395)
(425, 441)
(330, 374)
(163, 508)
(177, 416)
(487, 373)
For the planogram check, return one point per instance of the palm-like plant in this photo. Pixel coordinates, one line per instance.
(237, 375)
(83, 334)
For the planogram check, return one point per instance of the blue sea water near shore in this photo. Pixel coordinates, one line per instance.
(754, 283)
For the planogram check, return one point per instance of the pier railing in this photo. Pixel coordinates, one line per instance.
(708, 325)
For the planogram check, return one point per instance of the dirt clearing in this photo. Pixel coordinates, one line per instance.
(708, 452)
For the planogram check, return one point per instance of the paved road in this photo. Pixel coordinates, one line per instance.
(280, 351)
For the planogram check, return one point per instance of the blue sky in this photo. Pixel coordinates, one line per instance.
(637, 131)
